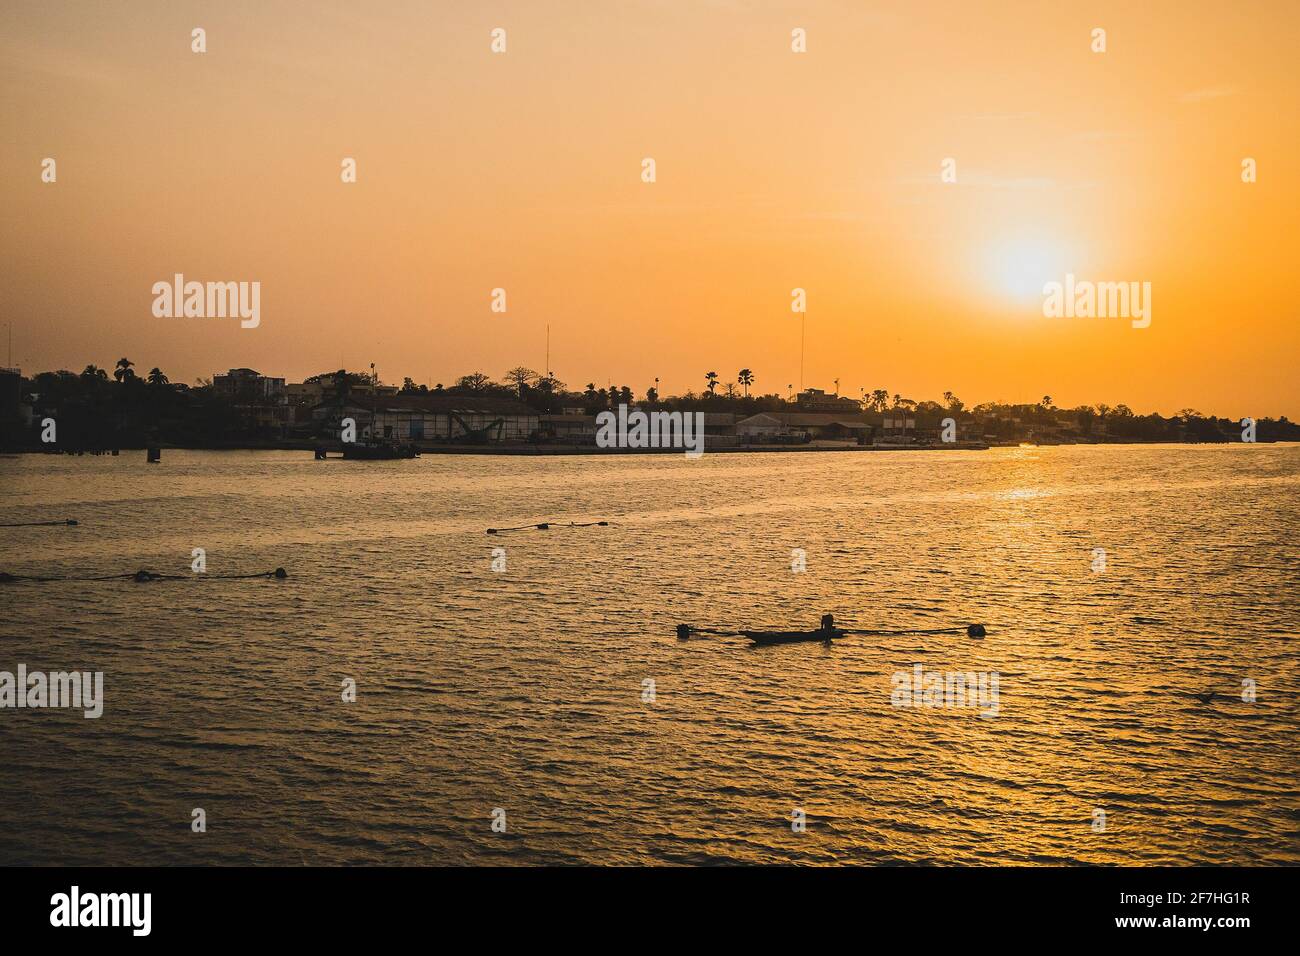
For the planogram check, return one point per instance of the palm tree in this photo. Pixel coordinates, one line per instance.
(745, 378)
(93, 373)
(880, 398)
(156, 377)
(712, 378)
(123, 372)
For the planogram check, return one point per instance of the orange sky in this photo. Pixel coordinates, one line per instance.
(775, 170)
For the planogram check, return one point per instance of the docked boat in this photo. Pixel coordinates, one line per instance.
(377, 449)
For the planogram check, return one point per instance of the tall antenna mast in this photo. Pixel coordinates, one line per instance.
(803, 327)
(548, 349)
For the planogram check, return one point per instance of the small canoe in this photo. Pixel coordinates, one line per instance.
(792, 637)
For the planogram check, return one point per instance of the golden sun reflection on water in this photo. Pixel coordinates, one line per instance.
(524, 689)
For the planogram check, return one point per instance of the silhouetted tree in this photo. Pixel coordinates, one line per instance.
(520, 378)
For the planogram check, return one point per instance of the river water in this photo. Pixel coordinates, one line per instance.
(553, 698)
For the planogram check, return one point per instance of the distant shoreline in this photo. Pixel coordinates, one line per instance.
(334, 450)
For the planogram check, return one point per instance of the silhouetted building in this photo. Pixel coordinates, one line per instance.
(14, 415)
(804, 426)
(434, 418)
(815, 400)
(247, 385)
(897, 428)
(577, 429)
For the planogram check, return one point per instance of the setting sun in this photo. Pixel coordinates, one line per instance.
(1020, 267)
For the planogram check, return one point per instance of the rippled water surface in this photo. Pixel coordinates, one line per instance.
(523, 690)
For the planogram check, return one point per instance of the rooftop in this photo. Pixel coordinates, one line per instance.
(816, 419)
(440, 404)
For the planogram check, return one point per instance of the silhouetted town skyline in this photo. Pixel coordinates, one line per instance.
(242, 407)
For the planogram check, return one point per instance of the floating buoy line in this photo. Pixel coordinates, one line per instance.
(547, 525)
(828, 632)
(39, 524)
(143, 576)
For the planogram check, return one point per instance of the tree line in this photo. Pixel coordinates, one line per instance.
(100, 407)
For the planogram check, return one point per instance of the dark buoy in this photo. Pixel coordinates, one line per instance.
(543, 527)
(320, 454)
(975, 630)
(280, 573)
(142, 576)
(72, 521)
(683, 632)
(491, 530)
(154, 455)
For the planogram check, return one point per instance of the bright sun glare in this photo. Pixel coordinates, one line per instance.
(1020, 267)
